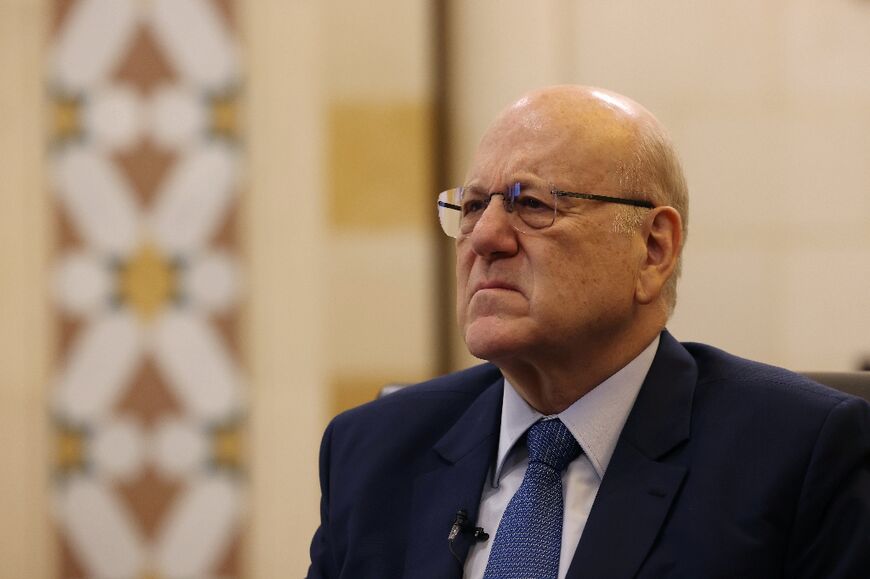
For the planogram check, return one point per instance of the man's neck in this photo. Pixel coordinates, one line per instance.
(551, 384)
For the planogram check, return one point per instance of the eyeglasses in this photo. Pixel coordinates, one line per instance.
(531, 207)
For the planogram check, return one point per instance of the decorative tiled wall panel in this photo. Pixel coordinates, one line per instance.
(148, 396)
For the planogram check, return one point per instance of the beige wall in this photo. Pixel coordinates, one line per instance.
(25, 547)
(340, 238)
(380, 287)
(284, 228)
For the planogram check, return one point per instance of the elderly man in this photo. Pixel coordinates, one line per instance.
(593, 445)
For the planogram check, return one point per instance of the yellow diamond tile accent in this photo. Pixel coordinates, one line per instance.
(66, 118)
(70, 450)
(147, 282)
(224, 116)
(227, 447)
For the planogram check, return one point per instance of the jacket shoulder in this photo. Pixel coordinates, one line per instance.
(439, 400)
(721, 371)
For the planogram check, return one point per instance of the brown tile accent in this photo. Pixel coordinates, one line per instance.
(227, 326)
(145, 166)
(68, 563)
(148, 398)
(149, 498)
(68, 329)
(227, 10)
(227, 235)
(60, 10)
(378, 164)
(66, 236)
(231, 563)
(145, 66)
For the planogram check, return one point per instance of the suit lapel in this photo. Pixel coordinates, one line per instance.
(640, 484)
(462, 458)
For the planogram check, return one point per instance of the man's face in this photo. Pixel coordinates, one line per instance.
(562, 290)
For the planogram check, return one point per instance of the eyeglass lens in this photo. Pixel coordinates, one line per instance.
(529, 208)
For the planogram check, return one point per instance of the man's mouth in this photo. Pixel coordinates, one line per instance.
(494, 285)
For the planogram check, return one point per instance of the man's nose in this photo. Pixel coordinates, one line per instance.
(494, 233)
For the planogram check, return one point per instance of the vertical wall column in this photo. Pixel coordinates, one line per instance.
(284, 232)
(148, 393)
(25, 538)
(381, 203)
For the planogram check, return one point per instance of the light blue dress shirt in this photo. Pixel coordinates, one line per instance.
(595, 420)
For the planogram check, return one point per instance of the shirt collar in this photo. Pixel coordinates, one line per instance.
(595, 420)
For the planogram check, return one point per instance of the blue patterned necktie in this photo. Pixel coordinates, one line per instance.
(529, 538)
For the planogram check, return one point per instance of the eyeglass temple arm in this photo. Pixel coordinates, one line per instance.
(606, 199)
(448, 205)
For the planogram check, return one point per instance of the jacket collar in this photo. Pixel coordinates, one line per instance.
(463, 457)
(641, 483)
(636, 493)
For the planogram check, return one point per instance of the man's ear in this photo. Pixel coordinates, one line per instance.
(662, 233)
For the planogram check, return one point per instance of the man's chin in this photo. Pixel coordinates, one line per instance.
(493, 338)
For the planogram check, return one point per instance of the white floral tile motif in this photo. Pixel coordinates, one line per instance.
(197, 41)
(179, 447)
(99, 366)
(191, 356)
(98, 528)
(213, 282)
(82, 283)
(98, 200)
(91, 42)
(114, 117)
(118, 449)
(145, 166)
(177, 116)
(200, 527)
(193, 199)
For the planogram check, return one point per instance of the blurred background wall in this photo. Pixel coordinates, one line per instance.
(218, 231)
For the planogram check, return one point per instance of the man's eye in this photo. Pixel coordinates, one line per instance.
(533, 203)
(473, 206)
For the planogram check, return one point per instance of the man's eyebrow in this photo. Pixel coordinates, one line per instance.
(523, 178)
(474, 188)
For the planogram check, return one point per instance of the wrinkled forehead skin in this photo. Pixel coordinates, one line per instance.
(569, 135)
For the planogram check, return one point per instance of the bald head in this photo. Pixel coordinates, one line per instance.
(604, 140)
(576, 108)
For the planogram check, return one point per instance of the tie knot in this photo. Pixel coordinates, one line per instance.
(551, 443)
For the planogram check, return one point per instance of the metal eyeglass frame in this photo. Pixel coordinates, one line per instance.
(510, 196)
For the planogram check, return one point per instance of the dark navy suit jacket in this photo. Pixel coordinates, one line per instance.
(726, 468)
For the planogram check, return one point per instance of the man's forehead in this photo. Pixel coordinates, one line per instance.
(578, 148)
(501, 162)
